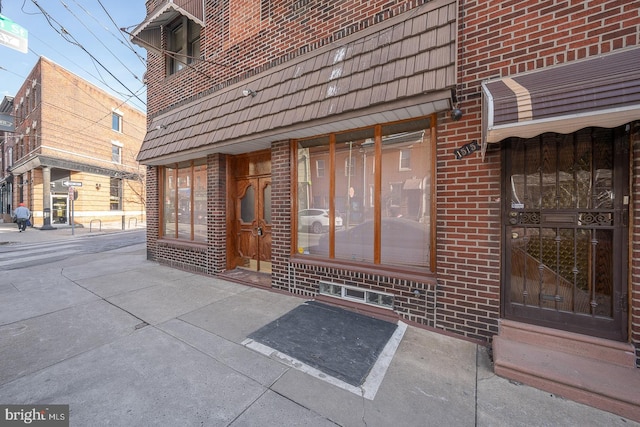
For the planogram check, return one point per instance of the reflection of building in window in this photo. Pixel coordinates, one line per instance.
(350, 166)
(184, 214)
(320, 168)
(405, 159)
(387, 195)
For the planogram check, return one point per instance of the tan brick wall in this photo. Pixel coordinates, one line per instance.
(73, 122)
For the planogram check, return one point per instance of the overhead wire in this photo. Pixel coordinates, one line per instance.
(100, 41)
(126, 42)
(65, 34)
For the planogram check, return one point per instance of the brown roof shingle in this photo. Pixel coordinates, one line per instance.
(403, 57)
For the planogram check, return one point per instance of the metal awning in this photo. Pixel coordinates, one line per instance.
(602, 91)
(147, 34)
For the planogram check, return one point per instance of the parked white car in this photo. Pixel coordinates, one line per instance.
(316, 220)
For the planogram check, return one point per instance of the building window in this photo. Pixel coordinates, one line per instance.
(116, 152)
(320, 168)
(184, 44)
(376, 213)
(115, 194)
(184, 207)
(405, 159)
(116, 121)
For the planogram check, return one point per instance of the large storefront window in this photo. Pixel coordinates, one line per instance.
(185, 201)
(374, 206)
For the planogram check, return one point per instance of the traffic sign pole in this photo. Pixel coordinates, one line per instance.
(71, 201)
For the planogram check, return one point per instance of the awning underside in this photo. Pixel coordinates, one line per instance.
(602, 91)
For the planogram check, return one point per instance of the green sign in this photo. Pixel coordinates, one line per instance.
(13, 35)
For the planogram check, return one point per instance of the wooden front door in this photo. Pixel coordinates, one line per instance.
(565, 219)
(250, 217)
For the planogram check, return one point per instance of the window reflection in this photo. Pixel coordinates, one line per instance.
(406, 198)
(169, 203)
(313, 195)
(404, 195)
(185, 201)
(200, 203)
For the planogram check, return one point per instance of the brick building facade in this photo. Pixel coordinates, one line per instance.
(68, 130)
(287, 110)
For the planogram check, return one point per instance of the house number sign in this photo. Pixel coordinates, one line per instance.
(467, 149)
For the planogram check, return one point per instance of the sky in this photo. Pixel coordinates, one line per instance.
(93, 47)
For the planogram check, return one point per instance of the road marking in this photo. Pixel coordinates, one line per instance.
(19, 259)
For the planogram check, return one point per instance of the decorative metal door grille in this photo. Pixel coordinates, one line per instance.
(565, 228)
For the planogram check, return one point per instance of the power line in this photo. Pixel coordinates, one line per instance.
(65, 34)
(100, 41)
(127, 42)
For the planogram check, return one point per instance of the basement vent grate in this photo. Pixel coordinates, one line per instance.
(351, 293)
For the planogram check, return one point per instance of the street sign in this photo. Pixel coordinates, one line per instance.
(72, 183)
(7, 123)
(71, 194)
(13, 35)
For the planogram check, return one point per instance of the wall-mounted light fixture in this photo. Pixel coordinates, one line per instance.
(98, 185)
(456, 114)
(249, 92)
(160, 127)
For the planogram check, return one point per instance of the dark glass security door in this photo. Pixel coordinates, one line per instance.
(565, 228)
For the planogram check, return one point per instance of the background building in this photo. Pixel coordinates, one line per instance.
(6, 133)
(73, 152)
(472, 165)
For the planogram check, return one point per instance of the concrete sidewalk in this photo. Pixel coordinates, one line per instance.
(128, 342)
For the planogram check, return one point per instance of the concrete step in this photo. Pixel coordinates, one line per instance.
(594, 377)
(615, 352)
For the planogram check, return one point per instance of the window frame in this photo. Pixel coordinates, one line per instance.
(374, 189)
(118, 205)
(405, 160)
(184, 48)
(116, 158)
(116, 121)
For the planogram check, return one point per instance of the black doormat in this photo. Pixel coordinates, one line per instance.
(338, 342)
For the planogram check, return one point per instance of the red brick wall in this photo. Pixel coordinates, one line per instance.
(217, 213)
(497, 39)
(287, 29)
(209, 259)
(280, 214)
(153, 212)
